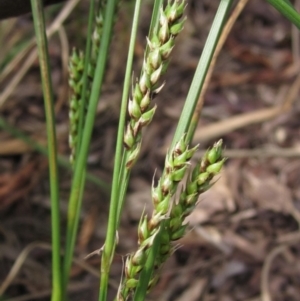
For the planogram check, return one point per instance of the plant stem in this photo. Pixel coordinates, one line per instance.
(200, 73)
(85, 80)
(120, 180)
(39, 24)
(226, 30)
(80, 167)
(286, 9)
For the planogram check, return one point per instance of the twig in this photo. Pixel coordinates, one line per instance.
(265, 293)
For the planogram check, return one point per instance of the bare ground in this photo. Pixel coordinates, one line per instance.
(244, 239)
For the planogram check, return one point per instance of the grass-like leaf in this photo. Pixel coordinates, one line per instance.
(287, 10)
(40, 31)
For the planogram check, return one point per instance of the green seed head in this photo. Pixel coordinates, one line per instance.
(149, 241)
(134, 109)
(137, 93)
(166, 49)
(191, 152)
(129, 138)
(133, 156)
(155, 58)
(215, 153)
(180, 160)
(164, 32)
(155, 76)
(164, 249)
(165, 238)
(146, 117)
(131, 283)
(154, 43)
(216, 167)
(175, 223)
(202, 178)
(129, 272)
(155, 221)
(179, 233)
(178, 175)
(143, 231)
(145, 102)
(180, 147)
(139, 257)
(191, 199)
(144, 82)
(157, 195)
(177, 28)
(192, 187)
(167, 185)
(163, 206)
(176, 210)
(175, 11)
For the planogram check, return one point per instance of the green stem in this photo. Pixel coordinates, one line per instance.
(155, 17)
(40, 30)
(120, 174)
(80, 166)
(85, 80)
(184, 124)
(120, 171)
(123, 172)
(75, 207)
(286, 9)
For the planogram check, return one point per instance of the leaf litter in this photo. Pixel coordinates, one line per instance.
(243, 242)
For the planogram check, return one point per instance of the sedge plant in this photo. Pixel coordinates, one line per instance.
(176, 193)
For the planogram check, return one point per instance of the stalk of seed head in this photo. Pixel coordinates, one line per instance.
(155, 63)
(96, 38)
(175, 168)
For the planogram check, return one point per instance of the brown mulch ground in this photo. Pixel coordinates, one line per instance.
(244, 239)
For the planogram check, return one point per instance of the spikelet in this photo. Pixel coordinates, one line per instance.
(76, 66)
(76, 69)
(173, 215)
(199, 181)
(147, 85)
(176, 164)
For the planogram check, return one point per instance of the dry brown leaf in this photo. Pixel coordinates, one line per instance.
(267, 192)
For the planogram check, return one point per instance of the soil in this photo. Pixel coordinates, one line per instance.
(243, 240)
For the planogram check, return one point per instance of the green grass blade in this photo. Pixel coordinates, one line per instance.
(87, 56)
(80, 166)
(120, 174)
(40, 30)
(287, 10)
(155, 16)
(75, 207)
(184, 124)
